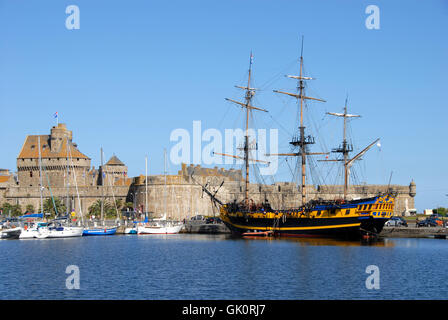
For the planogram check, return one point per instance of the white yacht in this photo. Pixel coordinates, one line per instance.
(34, 230)
(159, 226)
(57, 229)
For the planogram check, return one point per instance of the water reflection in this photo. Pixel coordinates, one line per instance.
(326, 242)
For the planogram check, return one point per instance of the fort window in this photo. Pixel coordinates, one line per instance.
(31, 174)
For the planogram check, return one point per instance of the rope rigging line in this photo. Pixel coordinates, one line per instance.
(51, 192)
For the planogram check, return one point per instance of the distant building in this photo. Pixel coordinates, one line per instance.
(67, 174)
(63, 163)
(114, 172)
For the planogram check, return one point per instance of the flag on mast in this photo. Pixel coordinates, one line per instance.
(56, 116)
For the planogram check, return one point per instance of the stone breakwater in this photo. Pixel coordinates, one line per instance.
(413, 232)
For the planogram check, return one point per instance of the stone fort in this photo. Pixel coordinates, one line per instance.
(67, 173)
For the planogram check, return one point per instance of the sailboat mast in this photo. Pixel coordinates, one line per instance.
(40, 175)
(68, 178)
(164, 165)
(102, 186)
(146, 185)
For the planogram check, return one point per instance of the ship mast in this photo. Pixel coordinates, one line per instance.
(302, 141)
(346, 148)
(250, 92)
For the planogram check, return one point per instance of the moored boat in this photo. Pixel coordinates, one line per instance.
(338, 218)
(34, 230)
(131, 230)
(61, 228)
(159, 226)
(10, 233)
(99, 231)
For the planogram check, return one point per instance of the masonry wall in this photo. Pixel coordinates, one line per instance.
(181, 198)
(54, 172)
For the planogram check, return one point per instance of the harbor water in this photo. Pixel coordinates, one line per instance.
(217, 267)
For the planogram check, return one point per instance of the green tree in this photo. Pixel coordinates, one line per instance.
(113, 210)
(95, 208)
(29, 208)
(109, 209)
(441, 210)
(119, 203)
(49, 206)
(13, 210)
(129, 205)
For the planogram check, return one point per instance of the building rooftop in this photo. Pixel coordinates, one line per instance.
(114, 161)
(30, 148)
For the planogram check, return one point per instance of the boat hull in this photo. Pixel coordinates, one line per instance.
(65, 232)
(345, 220)
(33, 234)
(159, 230)
(130, 231)
(13, 233)
(296, 227)
(99, 232)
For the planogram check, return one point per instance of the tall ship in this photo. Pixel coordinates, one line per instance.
(338, 218)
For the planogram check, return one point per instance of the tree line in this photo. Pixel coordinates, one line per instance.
(55, 206)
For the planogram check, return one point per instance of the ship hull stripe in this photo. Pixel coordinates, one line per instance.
(296, 228)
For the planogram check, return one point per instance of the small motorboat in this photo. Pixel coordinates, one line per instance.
(11, 233)
(257, 233)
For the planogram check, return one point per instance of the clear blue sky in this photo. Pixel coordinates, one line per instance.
(137, 70)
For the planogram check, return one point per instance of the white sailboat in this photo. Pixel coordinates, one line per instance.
(160, 225)
(102, 231)
(33, 228)
(61, 228)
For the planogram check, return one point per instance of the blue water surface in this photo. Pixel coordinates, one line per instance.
(186, 266)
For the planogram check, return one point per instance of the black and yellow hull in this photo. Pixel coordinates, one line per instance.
(347, 220)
